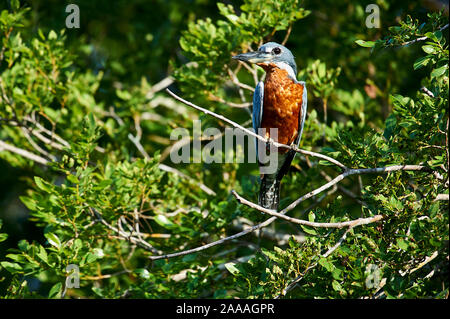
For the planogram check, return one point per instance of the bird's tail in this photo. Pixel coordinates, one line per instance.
(269, 192)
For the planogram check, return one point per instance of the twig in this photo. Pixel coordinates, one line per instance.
(36, 146)
(422, 264)
(378, 170)
(427, 92)
(288, 33)
(232, 104)
(161, 85)
(422, 38)
(51, 134)
(124, 235)
(24, 153)
(203, 187)
(295, 282)
(341, 188)
(441, 197)
(236, 81)
(351, 223)
(339, 243)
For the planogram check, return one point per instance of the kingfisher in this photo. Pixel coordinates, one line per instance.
(279, 102)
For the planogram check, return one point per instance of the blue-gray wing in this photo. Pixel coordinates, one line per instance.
(301, 119)
(258, 99)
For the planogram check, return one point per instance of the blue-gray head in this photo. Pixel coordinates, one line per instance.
(271, 53)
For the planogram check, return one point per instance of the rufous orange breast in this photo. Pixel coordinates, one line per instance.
(282, 104)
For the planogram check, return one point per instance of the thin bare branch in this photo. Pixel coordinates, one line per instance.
(236, 81)
(251, 133)
(24, 153)
(172, 170)
(122, 234)
(351, 223)
(339, 243)
(288, 33)
(442, 197)
(231, 104)
(422, 38)
(217, 242)
(161, 85)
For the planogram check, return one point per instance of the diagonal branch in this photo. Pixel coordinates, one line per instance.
(122, 234)
(24, 153)
(351, 223)
(422, 38)
(251, 133)
(354, 223)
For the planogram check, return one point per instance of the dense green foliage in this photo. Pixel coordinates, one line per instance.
(101, 192)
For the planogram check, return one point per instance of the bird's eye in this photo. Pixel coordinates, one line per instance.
(276, 50)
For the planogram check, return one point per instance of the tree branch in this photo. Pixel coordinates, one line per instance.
(351, 223)
(124, 235)
(422, 38)
(24, 153)
(251, 133)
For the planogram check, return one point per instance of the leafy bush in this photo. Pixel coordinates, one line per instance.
(91, 148)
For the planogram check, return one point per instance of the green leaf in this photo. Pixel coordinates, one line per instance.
(52, 35)
(391, 123)
(433, 36)
(308, 230)
(43, 185)
(11, 267)
(421, 62)
(3, 237)
(365, 44)
(402, 244)
(326, 264)
(124, 95)
(232, 268)
(337, 286)
(321, 70)
(53, 240)
(438, 72)
(73, 179)
(15, 5)
(56, 290)
(29, 202)
(143, 273)
(42, 254)
(429, 49)
(164, 221)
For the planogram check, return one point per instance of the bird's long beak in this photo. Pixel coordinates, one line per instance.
(254, 57)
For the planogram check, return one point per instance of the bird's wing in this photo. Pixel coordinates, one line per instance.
(301, 119)
(258, 99)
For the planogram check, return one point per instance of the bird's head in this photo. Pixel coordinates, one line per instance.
(271, 53)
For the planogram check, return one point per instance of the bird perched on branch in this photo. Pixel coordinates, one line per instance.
(278, 103)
